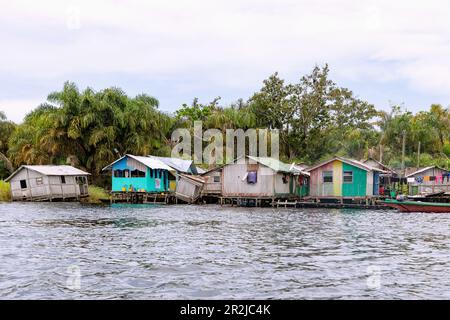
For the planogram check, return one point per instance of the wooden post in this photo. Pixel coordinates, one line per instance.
(29, 186)
(381, 153)
(418, 156)
(403, 153)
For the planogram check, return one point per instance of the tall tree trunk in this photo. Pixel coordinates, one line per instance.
(7, 162)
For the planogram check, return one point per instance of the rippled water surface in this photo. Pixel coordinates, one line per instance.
(213, 252)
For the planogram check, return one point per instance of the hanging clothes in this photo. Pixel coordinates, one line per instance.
(252, 177)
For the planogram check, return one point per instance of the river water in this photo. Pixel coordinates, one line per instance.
(75, 251)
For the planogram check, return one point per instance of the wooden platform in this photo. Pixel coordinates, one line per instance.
(274, 202)
(46, 198)
(303, 204)
(142, 197)
(293, 202)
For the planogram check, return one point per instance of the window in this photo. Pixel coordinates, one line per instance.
(118, 173)
(137, 174)
(63, 179)
(327, 176)
(151, 173)
(216, 178)
(80, 180)
(39, 181)
(348, 176)
(126, 173)
(23, 184)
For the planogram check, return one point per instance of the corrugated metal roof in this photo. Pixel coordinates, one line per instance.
(276, 164)
(195, 178)
(422, 170)
(147, 161)
(212, 169)
(179, 165)
(353, 162)
(200, 170)
(51, 170)
(272, 163)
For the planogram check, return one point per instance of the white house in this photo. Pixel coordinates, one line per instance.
(48, 182)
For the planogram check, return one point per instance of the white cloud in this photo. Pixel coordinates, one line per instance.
(231, 43)
(16, 109)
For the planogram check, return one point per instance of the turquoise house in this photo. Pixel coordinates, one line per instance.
(140, 174)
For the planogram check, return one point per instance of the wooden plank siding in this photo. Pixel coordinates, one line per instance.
(361, 185)
(416, 188)
(212, 187)
(233, 185)
(155, 180)
(40, 187)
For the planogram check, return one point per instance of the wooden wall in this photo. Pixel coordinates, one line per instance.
(51, 187)
(232, 184)
(210, 186)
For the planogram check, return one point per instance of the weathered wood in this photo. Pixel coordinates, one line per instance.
(45, 187)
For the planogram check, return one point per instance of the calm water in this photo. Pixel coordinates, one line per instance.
(212, 252)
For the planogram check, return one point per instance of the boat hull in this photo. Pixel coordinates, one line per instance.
(411, 206)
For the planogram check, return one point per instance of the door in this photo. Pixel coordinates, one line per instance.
(291, 184)
(327, 183)
(376, 183)
(82, 185)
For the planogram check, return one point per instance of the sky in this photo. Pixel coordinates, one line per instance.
(386, 52)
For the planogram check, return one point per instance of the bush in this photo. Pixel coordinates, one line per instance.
(427, 160)
(97, 195)
(3, 172)
(446, 149)
(5, 191)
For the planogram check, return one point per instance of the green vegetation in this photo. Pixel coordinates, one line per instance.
(316, 118)
(5, 191)
(6, 130)
(97, 195)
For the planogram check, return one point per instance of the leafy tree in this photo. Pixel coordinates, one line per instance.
(89, 129)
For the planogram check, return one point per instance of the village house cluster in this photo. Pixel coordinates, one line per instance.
(256, 180)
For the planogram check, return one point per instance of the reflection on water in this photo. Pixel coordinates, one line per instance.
(69, 251)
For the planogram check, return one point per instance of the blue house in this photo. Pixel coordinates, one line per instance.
(141, 174)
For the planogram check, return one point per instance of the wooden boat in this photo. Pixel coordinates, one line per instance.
(418, 206)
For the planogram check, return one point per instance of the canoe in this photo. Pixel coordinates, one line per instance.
(418, 206)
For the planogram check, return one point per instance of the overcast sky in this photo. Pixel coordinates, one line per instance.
(385, 51)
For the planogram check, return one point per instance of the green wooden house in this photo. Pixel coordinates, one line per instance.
(344, 178)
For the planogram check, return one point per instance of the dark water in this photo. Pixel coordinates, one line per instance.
(213, 252)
